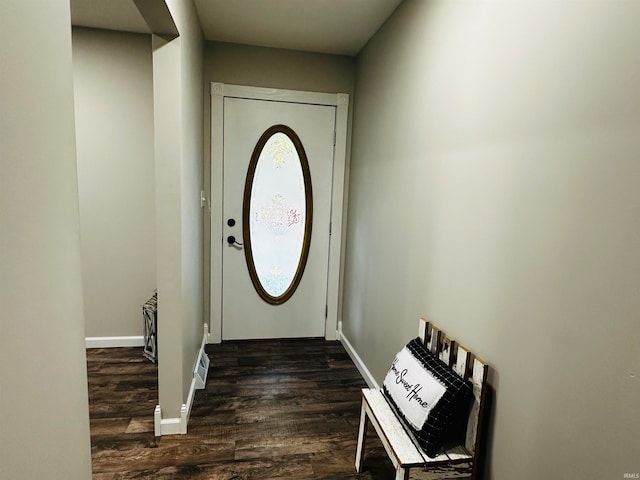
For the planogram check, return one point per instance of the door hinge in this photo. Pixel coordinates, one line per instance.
(334, 137)
(326, 312)
(330, 227)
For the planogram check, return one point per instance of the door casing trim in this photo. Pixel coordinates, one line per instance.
(341, 101)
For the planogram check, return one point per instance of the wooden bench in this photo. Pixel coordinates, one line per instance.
(460, 461)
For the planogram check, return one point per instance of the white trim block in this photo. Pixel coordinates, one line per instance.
(170, 426)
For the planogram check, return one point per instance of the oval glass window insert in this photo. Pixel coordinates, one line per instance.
(277, 214)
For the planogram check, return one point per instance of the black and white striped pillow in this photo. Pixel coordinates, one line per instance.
(418, 380)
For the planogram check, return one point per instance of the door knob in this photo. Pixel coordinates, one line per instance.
(231, 222)
(231, 240)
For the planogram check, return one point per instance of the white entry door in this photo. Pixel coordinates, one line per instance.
(278, 159)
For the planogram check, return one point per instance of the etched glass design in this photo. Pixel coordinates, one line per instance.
(277, 215)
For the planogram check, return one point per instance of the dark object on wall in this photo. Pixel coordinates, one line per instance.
(150, 327)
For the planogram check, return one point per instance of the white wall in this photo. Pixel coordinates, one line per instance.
(494, 189)
(43, 391)
(113, 88)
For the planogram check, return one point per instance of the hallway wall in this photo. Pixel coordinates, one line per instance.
(113, 90)
(494, 190)
(43, 379)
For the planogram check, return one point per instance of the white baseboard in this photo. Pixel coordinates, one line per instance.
(109, 342)
(362, 368)
(178, 426)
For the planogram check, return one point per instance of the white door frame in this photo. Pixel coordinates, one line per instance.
(341, 101)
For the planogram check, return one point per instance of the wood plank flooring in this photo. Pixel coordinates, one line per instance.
(271, 409)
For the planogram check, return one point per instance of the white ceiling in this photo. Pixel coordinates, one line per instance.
(328, 26)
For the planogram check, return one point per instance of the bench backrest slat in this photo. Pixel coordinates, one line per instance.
(447, 351)
(465, 364)
(479, 380)
(462, 362)
(422, 330)
(433, 342)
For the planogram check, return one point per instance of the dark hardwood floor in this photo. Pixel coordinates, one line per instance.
(276, 409)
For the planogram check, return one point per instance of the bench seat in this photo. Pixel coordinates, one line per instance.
(401, 449)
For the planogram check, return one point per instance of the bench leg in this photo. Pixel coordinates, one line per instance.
(402, 473)
(362, 436)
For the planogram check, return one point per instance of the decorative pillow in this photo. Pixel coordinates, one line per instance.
(427, 394)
